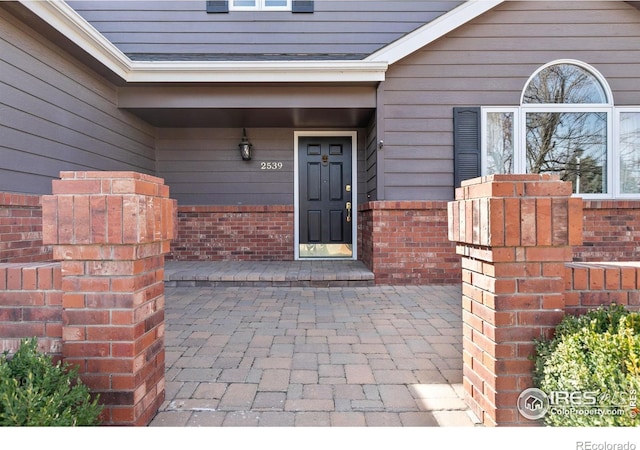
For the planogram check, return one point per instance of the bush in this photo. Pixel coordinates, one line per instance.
(35, 392)
(595, 358)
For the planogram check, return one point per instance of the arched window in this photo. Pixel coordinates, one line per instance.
(567, 124)
(567, 118)
(564, 83)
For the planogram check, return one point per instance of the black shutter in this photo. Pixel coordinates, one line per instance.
(302, 6)
(218, 6)
(466, 144)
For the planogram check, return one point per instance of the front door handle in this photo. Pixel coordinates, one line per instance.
(348, 206)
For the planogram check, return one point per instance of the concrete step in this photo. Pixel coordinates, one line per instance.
(267, 273)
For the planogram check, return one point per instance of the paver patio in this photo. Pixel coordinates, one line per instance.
(306, 356)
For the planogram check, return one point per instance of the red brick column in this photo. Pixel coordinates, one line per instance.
(111, 231)
(515, 233)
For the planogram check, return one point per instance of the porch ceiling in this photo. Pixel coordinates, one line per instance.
(236, 106)
(255, 117)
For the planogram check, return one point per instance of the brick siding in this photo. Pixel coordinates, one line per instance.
(31, 306)
(21, 229)
(589, 285)
(234, 233)
(611, 231)
(406, 243)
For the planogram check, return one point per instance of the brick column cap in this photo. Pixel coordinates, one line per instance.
(94, 183)
(107, 208)
(514, 185)
(516, 211)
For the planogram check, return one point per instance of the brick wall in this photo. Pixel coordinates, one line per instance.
(234, 233)
(611, 231)
(406, 242)
(402, 242)
(589, 285)
(21, 229)
(31, 305)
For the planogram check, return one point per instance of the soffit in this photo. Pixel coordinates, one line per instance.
(256, 117)
(241, 105)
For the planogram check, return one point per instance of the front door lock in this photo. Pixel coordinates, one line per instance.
(348, 206)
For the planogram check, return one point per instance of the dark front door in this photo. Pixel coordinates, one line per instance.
(326, 205)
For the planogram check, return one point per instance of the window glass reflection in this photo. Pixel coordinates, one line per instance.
(629, 152)
(564, 83)
(571, 144)
(500, 136)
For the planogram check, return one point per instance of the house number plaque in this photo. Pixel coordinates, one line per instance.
(273, 165)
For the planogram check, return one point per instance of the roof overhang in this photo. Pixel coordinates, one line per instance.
(256, 71)
(74, 27)
(59, 15)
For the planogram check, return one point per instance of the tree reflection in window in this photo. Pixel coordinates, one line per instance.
(569, 141)
(564, 83)
(571, 144)
(500, 142)
(630, 152)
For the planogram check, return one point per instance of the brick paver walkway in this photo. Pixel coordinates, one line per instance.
(300, 356)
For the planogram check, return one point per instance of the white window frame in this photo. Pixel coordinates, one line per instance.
(569, 109)
(520, 140)
(486, 110)
(259, 6)
(616, 127)
(601, 79)
(519, 123)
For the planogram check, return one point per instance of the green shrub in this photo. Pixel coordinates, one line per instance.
(597, 356)
(35, 392)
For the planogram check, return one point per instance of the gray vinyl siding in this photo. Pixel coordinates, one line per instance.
(343, 29)
(202, 166)
(487, 63)
(55, 115)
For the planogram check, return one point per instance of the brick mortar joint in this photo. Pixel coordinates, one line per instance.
(227, 209)
(115, 175)
(403, 205)
(114, 246)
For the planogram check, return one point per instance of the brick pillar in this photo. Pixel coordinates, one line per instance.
(515, 233)
(111, 230)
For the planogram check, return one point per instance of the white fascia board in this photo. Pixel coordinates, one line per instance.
(428, 33)
(258, 71)
(67, 21)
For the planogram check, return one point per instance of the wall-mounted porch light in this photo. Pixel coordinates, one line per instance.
(245, 146)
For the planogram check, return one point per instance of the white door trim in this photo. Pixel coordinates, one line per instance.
(354, 188)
